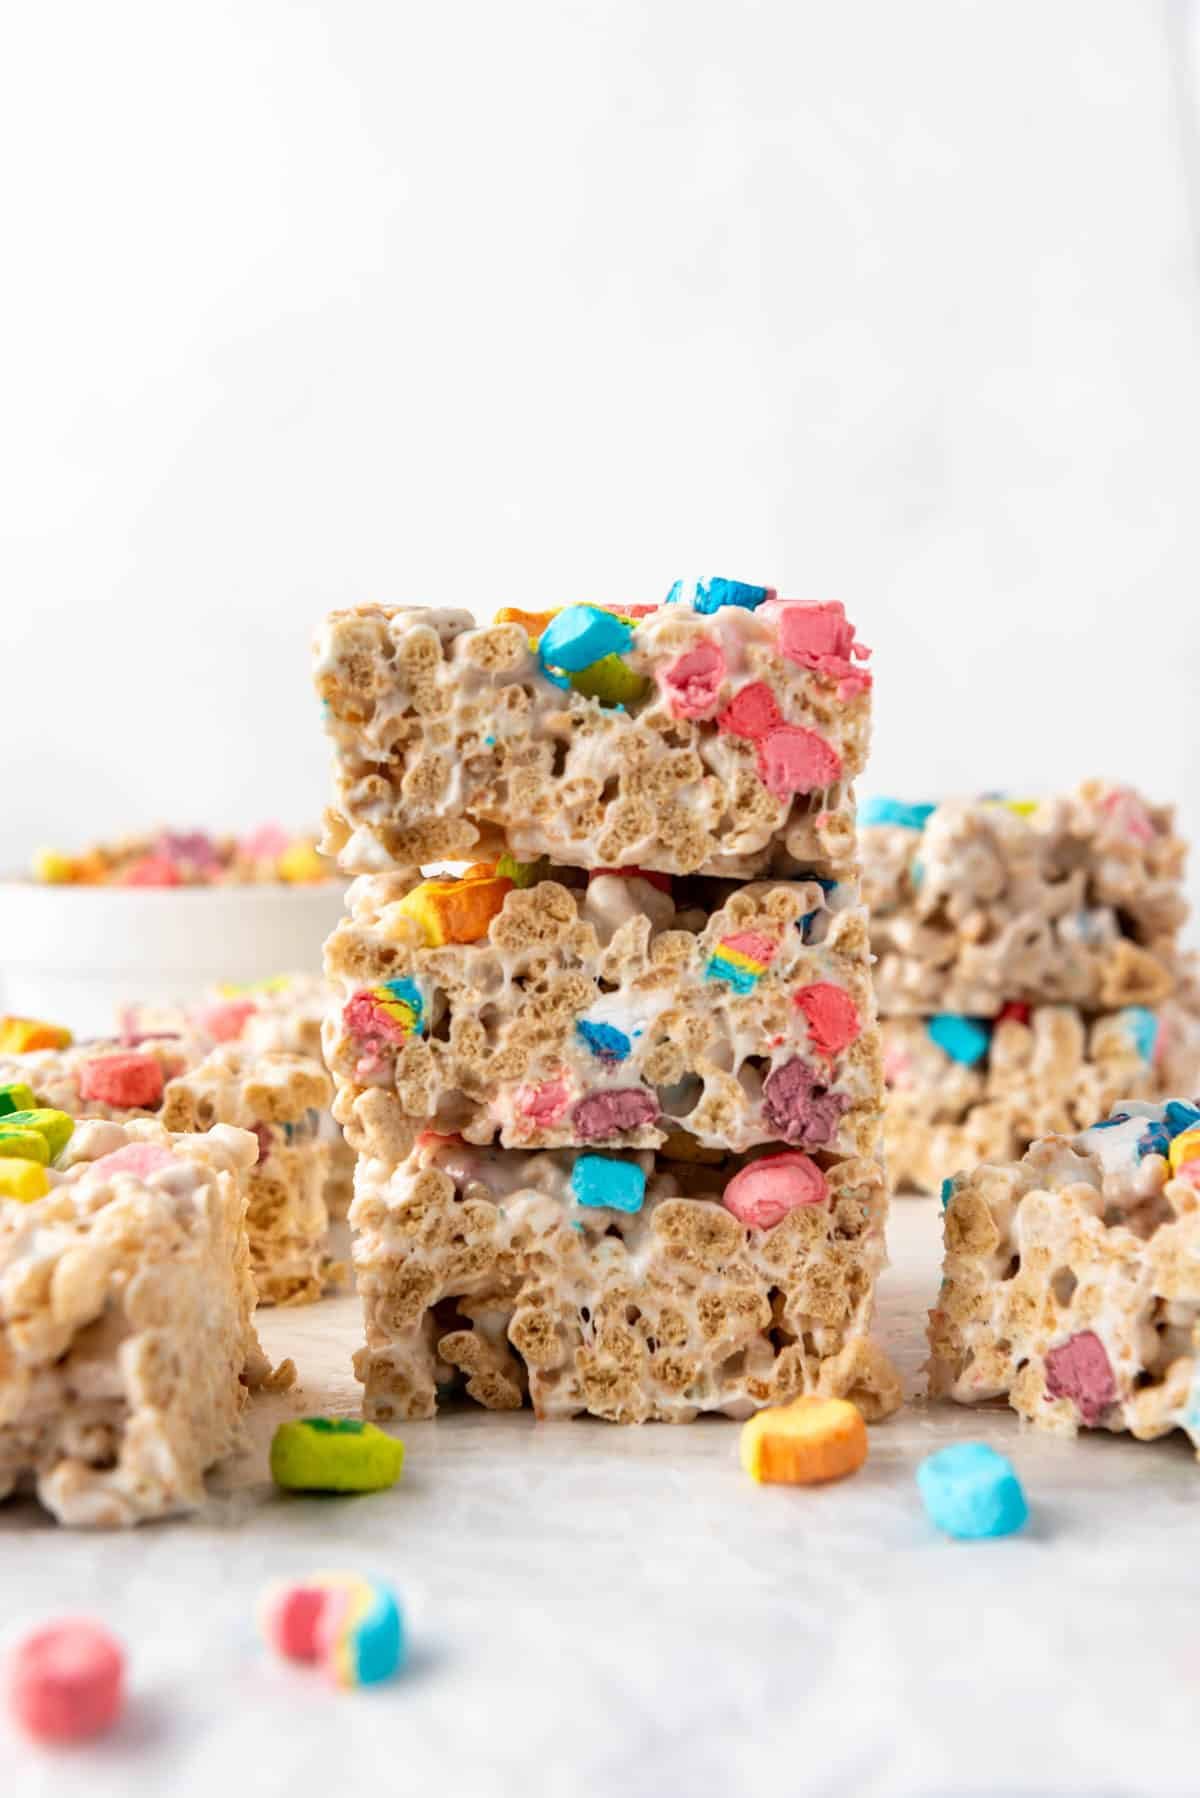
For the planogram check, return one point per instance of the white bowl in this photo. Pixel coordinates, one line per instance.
(74, 954)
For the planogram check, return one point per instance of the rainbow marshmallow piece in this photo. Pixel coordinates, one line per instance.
(353, 1626)
(741, 959)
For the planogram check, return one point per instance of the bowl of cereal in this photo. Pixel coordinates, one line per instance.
(163, 917)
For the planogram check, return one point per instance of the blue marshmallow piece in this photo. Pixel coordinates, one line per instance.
(604, 1040)
(605, 1184)
(581, 635)
(881, 810)
(947, 1191)
(963, 1039)
(710, 594)
(379, 1649)
(972, 1492)
(1142, 1026)
(1179, 1117)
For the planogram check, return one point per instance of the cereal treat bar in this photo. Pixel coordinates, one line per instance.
(279, 1099)
(719, 731)
(126, 1334)
(284, 1012)
(627, 1286)
(621, 1009)
(975, 903)
(963, 1090)
(1072, 1278)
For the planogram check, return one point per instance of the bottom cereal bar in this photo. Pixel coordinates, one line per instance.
(126, 1334)
(627, 1286)
(1072, 1278)
(279, 1098)
(963, 1090)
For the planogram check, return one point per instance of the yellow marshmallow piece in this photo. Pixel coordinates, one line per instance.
(300, 862)
(1184, 1147)
(53, 868)
(23, 1181)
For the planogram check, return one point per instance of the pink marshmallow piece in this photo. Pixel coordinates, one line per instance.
(224, 1019)
(130, 1081)
(611, 1113)
(266, 844)
(833, 1020)
(811, 628)
(543, 1105)
(763, 1193)
(1079, 1369)
(752, 712)
(794, 760)
(67, 1681)
(690, 684)
(752, 943)
(820, 637)
(291, 1621)
(140, 1158)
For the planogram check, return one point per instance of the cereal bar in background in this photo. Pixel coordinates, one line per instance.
(177, 1078)
(962, 1090)
(284, 1012)
(1028, 968)
(279, 1099)
(1072, 1278)
(616, 1101)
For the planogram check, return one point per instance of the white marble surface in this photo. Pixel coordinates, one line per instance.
(604, 1613)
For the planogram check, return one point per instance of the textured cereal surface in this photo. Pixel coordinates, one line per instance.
(1072, 1284)
(1081, 901)
(612, 1012)
(450, 742)
(1051, 1072)
(126, 1333)
(279, 1098)
(477, 1269)
(285, 1013)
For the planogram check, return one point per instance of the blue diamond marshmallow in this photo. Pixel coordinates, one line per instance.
(971, 1492)
(605, 1184)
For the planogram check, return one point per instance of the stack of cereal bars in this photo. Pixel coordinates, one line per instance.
(1028, 970)
(614, 1081)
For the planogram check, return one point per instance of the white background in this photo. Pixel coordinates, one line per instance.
(309, 304)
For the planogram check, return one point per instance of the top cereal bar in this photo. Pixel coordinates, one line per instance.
(718, 732)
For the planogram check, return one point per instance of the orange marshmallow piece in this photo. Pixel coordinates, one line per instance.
(456, 911)
(532, 623)
(19, 1035)
(804, 1443)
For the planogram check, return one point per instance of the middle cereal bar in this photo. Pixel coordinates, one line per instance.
(544, 1007)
